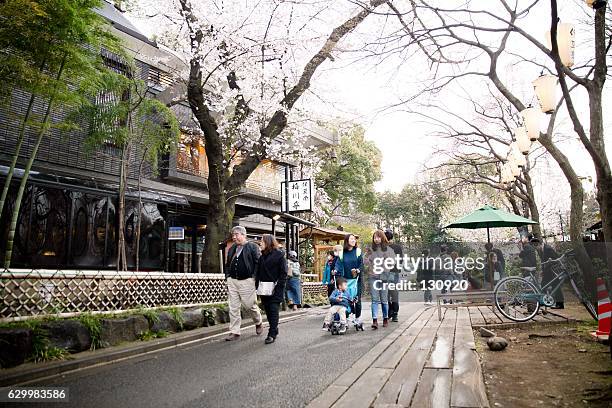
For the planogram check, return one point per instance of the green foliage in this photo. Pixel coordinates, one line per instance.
(41, 350)
(315, 300)
(94, 326)
(177, 314)
(51, 49)
(150, 335)
(152, 315)
(209, 316)
(349, 179)
(37, 37)
(415, 212)
(131, 118)
(363, 231)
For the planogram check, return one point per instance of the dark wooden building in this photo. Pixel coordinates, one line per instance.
(68, 217)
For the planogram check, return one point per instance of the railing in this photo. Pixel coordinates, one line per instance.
(29, 294)
(189, 162)
(37, 293)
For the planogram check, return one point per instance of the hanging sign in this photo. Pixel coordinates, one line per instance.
(300, 196)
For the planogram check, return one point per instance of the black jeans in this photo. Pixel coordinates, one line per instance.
(393, 303)
(271, 309)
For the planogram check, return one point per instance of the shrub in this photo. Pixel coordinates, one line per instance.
(94, 326)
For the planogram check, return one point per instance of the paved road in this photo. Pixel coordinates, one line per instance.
(289, 373)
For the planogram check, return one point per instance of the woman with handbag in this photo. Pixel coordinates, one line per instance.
(270, 281)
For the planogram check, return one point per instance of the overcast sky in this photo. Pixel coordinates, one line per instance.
(363, 91)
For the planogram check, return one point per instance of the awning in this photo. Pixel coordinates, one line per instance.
(324, 233)
(289, 218)
(92, 185)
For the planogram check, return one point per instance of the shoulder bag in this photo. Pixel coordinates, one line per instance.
(265, 288)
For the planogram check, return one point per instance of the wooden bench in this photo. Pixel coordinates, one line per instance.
(474, 298)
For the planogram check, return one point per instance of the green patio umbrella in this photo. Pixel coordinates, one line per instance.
(490, 217)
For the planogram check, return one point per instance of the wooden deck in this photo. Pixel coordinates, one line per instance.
(424, 362)
(488, 316)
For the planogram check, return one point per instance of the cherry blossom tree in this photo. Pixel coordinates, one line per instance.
(249, 64)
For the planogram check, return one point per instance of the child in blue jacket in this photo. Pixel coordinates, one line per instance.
(340, 303)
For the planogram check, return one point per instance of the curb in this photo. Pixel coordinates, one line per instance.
(30, 372)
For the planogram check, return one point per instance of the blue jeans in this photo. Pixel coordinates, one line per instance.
(379, 297)
(294, 291)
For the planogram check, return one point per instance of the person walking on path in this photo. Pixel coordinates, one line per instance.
(394, 277)
(350, 265)
(501, 262)
(446, 269)
(378, 275)
(329, 273)
(425, 274)
(242, 260)
(272, 267)
(546, 254)
(528, 256)
(294, 284)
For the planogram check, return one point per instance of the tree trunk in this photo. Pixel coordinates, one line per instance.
(43, 130)
(533, 207)
(121, 255)
(576, 212)
(20, 138)
(604, 198)
(594, 144)
(218, 227)
(138, 221)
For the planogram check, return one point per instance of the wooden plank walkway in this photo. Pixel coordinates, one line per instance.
(425, 362)
(485, 316)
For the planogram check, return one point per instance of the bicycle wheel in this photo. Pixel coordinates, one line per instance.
(578, 285)
(517, 299)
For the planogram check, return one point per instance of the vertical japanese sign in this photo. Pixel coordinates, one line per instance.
(300, 196)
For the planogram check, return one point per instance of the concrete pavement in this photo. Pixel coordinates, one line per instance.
(302, 363)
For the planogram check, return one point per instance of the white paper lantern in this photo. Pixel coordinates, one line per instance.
(506, 174)
(531, 119)
(522, 140)
(565, 42)
(545, 88)
(517, 156)
(515, 169)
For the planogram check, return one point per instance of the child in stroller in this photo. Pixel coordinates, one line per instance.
(342, 302)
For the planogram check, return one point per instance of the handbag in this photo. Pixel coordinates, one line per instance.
(266, 288)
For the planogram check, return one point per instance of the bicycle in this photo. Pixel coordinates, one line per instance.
(520, 298)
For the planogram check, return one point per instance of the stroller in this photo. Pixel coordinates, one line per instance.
(336, 326)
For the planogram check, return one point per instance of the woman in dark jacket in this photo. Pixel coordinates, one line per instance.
(272, 267)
